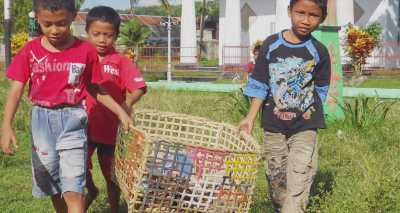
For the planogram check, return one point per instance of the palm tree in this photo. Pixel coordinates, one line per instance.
(166, 5)
(132, 5)
(203, 12)
(79, 3)
(132, 35)
(209, 10)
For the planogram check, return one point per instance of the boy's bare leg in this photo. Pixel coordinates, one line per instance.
(75, 202)
(59, 203)
(113, 196)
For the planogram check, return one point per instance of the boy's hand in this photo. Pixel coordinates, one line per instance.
(125, 120)
(7, 138)
(245, 125)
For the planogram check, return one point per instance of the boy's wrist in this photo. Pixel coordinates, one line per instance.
(251, 116)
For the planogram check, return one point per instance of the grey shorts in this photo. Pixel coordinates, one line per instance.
(58, 138)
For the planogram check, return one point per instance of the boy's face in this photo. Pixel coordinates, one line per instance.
(306, 17)
(256, 54)
(101, 35)
(55, 25)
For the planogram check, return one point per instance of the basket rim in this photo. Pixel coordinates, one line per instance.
(248, 138)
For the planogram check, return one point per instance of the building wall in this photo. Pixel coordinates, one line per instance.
(78, 29)
(385, 12)
(263, 24)
(260, 26)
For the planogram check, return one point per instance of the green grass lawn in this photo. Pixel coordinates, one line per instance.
(358, 171)
(389, 82)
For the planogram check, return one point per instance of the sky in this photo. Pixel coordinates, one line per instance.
(121, 4)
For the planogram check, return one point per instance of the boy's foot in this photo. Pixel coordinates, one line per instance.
(91, 196)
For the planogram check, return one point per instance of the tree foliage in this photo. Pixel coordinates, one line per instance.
(133, 33)
(19, 12)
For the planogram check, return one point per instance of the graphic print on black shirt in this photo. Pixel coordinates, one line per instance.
(297, 77)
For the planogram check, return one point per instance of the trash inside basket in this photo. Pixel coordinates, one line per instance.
(179, 163)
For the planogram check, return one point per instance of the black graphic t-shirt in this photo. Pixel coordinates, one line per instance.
(293, 81)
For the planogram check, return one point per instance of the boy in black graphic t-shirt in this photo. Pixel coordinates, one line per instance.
(290, 83)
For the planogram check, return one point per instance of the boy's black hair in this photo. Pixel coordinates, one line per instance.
(53, 5)
(104, 14)
(257, 48)
(323, 4)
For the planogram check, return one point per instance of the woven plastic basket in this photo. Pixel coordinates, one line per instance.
(180, 163)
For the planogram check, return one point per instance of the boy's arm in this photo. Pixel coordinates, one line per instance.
(7, 133)
(133, 82)
(103, 97)
(323, 76)
(101, 94)
(257, 88)
(132, 98)
(246, 124)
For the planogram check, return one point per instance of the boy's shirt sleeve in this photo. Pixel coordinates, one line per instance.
(323, 75)
(257, 85)
(131, 77)
(19, 69)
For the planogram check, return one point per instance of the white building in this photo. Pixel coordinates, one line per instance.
(243, 22)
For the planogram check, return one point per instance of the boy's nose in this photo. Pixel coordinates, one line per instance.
(102, 39)
(306, 20)
(54, 30)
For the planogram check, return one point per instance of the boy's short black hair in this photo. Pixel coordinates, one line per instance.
(323, 4)
(53, 5)
(257, 48)
(104, 14)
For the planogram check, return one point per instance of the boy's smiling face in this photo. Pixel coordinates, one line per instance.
(102, 35)
(306, 16)
(55, 25)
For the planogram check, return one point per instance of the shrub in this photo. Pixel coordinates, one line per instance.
(366, 112)
(18, 40)
(360, 42)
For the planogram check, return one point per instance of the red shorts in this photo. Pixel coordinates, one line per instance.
(105, 156)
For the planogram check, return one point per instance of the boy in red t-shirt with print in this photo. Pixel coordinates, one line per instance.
(59, 69)
(124, 82)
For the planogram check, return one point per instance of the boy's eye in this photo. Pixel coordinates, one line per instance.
(315, 15)
(45, 24)
(62, 24)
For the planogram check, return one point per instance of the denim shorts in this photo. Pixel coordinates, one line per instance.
(59, 150)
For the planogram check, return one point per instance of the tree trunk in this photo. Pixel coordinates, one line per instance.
(202, 26)
(132, 6)
(358, 78)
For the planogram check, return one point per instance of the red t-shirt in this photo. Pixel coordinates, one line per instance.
(56, 78)
(250, 67)
(118, 76)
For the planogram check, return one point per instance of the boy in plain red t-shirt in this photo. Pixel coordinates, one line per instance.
(126, 85)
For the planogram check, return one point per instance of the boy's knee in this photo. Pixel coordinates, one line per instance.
(73, 197)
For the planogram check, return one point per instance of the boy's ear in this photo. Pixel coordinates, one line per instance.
(289, 12)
